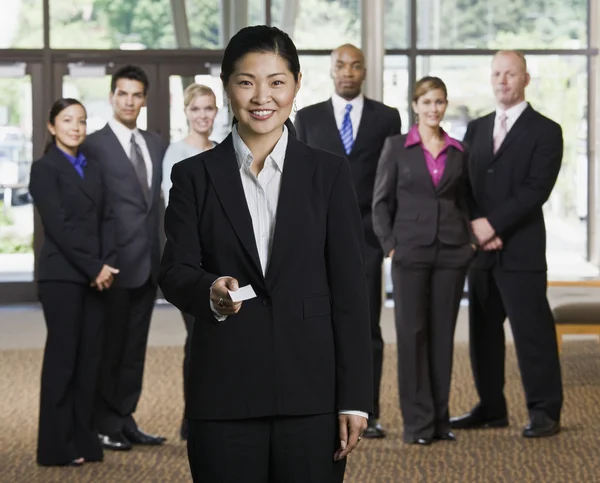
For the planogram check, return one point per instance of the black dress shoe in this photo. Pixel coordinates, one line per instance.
(475, 420)
(137, 436)
(115, 442)
(374, 430)
(445, 436)
(541, 426)
(420, 441)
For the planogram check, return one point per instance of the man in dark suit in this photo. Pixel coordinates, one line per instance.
(353, 126)
(515, 157)
(131, 159)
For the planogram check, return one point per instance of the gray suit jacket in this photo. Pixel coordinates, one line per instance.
(408, 209)
(136, 219)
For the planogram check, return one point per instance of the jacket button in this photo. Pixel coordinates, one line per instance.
(265, 302)
(490, 171)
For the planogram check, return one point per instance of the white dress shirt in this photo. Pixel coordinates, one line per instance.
(123, 134)
(512, 114)
(339, 111)
(262, 196)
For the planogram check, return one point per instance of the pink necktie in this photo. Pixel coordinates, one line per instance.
(500, 132)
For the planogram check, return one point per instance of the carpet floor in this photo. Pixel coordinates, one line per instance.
(495, 456)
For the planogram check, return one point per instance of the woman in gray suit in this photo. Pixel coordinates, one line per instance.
(200, 104)
(420, 217)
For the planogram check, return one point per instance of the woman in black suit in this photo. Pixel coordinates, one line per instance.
(75, 266)
(280, 384)
(420, 216)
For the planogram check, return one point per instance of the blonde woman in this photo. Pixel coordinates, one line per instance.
(200, 110)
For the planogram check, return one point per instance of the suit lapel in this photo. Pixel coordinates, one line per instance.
(122, 159)
(293, 194)
(224, 173)
(516, 131)
(367, 119)
(453, 161)
(416, 157)
(86, 186)
(331, 130)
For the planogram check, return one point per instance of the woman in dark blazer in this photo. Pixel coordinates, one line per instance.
(280, 383)
(420, 216)
(75, 266)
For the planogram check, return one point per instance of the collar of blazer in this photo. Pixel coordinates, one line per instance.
(519, 129)
(122, 158)
(222, 168)
(85, 184)
(452, 169)
(366, 119)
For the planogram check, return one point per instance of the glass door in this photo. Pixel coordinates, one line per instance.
(16, 155)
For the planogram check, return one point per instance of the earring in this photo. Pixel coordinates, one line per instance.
(295, 105)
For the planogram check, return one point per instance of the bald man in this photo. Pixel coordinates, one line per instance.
(353, 126)
(515, 157)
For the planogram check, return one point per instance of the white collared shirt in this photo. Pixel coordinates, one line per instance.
(262, 191)
(339, 111)
(123, 134)
(512, 114)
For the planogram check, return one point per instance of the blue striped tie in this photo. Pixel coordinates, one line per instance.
(346, 130)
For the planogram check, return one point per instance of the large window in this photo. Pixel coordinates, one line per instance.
(501, 24)
(21, 24)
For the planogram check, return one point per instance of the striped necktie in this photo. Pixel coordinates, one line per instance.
(139, 165)
(346, 130)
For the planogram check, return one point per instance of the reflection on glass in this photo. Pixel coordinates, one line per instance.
(178, 121)
(16, 209)
(21, 24)
(502, 24)
(558, 90)
(395, 22)
(318, 24)
(395, 86)
(93, 92)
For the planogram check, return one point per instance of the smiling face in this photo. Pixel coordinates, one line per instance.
(69, 128)
(261, 91)
(201, 113)
(348, 71)
(127, 101)
(509, 79)
(430, 107)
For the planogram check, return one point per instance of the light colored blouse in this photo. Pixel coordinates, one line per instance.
(176, 152)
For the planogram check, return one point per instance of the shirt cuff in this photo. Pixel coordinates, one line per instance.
(354, 413)
(216, 314)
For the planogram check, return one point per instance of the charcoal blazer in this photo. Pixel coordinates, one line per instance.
(79, 228)
(300, 347)
(136, 218)
(510, 187)
(409, 210)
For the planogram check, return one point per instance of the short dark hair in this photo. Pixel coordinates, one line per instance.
(59, 106)
(132, 72)
(259, 39)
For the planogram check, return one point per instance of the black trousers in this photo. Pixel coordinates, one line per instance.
(373, 259)
(292, 449)
(188, 320)
(494, 295)
(428, 287)
(74, 315)
(127, 325)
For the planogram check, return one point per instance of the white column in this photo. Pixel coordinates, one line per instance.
(234, 16)
(372, 44)
(288, 16)
(594, 141)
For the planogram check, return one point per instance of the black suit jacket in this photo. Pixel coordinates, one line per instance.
(302, 346)
(79, 231)
(408, 209)
(136, 218)
(510, 187)
(316, 126)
